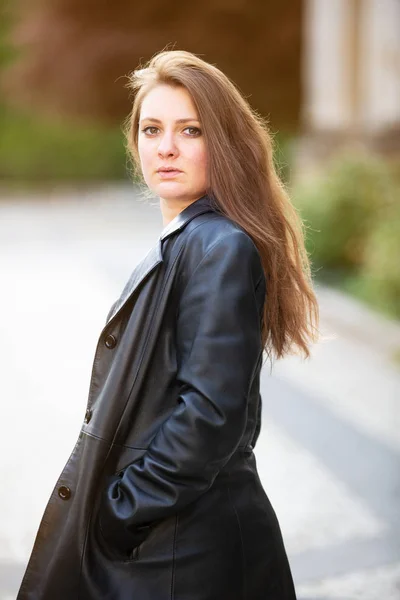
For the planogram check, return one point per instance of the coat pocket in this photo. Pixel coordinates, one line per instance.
(116, 540)
(115, 552)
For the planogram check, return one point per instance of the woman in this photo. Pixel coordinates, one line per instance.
(160, 498)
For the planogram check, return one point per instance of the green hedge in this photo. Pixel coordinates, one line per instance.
(378, 280)
(352, 216)
(35, 149)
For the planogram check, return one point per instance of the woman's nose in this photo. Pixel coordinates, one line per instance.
(167, 146)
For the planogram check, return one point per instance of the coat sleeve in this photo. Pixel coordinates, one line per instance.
(219, 345)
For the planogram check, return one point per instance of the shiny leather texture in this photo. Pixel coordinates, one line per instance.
(160, 497)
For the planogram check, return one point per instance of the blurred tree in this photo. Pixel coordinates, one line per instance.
(73, 54)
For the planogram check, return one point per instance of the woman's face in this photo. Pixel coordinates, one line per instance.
(171, 145)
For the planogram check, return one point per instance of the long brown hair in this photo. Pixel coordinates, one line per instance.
(246, 187)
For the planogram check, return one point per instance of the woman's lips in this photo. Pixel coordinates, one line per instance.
(169, 174)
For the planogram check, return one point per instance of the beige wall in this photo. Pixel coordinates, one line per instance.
(351, 66)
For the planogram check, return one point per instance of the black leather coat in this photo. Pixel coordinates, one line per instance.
(160, 498)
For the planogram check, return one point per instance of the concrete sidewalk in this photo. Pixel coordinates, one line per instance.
(329, 452)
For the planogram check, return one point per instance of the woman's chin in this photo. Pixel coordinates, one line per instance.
(170, 190)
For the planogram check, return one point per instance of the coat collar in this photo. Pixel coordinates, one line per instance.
(154, 257)
(198, 207)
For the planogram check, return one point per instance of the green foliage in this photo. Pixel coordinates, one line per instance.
(352, 216)
(379, 277)
(38, 150)
(341, 209)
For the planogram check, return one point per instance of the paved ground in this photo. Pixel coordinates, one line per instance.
(329, 452)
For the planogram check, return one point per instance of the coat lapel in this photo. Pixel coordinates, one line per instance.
(154, 257)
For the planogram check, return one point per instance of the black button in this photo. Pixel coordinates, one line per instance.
(110, 342)
(64, 492)
(88, 415)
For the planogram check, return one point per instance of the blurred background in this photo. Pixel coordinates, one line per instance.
(326, 75)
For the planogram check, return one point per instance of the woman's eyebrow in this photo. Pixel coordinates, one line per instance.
(179, 121)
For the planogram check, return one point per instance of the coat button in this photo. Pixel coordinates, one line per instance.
(64, 492)
(88, 415)
(110, 342)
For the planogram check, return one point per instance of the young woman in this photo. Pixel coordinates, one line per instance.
(160, 499)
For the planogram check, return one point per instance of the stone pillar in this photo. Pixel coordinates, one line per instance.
(351, 77)
(380, 84)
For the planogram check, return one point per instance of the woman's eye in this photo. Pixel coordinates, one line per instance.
(193, 131)
(151, 130)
